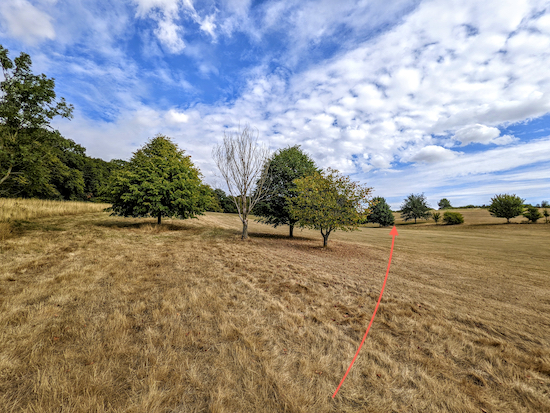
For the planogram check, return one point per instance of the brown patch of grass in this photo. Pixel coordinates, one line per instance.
(110, 314)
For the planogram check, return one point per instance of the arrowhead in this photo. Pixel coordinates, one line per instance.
(394, 232)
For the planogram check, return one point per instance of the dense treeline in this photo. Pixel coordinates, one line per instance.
(35, 160)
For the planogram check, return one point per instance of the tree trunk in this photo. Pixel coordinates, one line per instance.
(158, 219)
(415, 220)
(7, 175)
(325, 240)
(291, 233)
(245, 229)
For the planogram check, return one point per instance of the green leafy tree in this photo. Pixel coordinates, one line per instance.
(159, 181)
(414, 207)
(444, 204)
(533, 214)
(27, 105)
(546, 215)
(453, 218)
(381, 213)
(506, 206)
(227, 203)
(329, 201)
(285, 166)
(436, 216)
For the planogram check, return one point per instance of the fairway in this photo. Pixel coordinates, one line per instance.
(106, 314)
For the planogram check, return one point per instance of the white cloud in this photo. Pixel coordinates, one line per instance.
(169, 35)
(476, 134)
(26, 22)
(175, 117)
(432, 154)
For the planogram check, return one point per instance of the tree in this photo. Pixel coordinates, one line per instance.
(506, 206)
(415, 206)
(436, 216)
(27, 105)
(284, 167)
(329, 201)
(381, 213)
(244, 165)
(533, 214)
(453, 218)
(546, 215)
(544, 204)
(227, 203)
(159, 181)
(444, 204)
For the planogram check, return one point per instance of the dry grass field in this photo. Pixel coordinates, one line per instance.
(106, 314)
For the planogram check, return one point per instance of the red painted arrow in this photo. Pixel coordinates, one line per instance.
(394, 234)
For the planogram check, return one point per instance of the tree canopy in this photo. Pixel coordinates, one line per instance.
(415, 206)
(506, 206)
(159, 181)
(381, 213)
(532, 214)
(27, 105)
(329, 201)
(444, 203)
(285, 166)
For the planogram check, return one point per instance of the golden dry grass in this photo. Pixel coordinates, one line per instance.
(103, 314)
(16, 209)
(12, 209)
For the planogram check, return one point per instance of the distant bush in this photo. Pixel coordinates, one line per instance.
(436, 216)
(453, 218)
(533, 214)
(544, 204)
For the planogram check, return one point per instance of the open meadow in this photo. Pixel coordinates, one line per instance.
(107, 314)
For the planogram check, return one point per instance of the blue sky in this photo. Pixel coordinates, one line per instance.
(449, 98)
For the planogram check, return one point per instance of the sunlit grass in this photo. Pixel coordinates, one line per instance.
(108, 314)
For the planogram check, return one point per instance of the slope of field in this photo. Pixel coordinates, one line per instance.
(107, 314)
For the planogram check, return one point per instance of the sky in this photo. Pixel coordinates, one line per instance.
(442, 97)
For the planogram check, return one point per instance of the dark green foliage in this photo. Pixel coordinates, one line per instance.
(227, 204)
(533, 214)
(544, 204)
(444, 204)
(285, 166)
(214, 205)
(414, 207)
(381, 213)
(27, 105)
(506, 206)
(546, 215)
(453, 218)
(159, 181)
(436, 216)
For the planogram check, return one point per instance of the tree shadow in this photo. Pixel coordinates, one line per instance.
(169, 226)
(277, 236)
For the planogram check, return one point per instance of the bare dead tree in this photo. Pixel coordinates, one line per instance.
(244, 166)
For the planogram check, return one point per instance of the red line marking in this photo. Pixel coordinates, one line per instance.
(394, 234)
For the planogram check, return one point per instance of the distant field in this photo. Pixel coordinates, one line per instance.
(107, 314)
(472, 216)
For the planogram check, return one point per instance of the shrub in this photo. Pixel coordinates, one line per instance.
(532, 214)
(546, 215)
(436, 216)
(453, 218)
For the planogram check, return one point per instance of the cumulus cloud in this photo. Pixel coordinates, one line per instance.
(432, 154)
(168, 15)
(25, 21)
